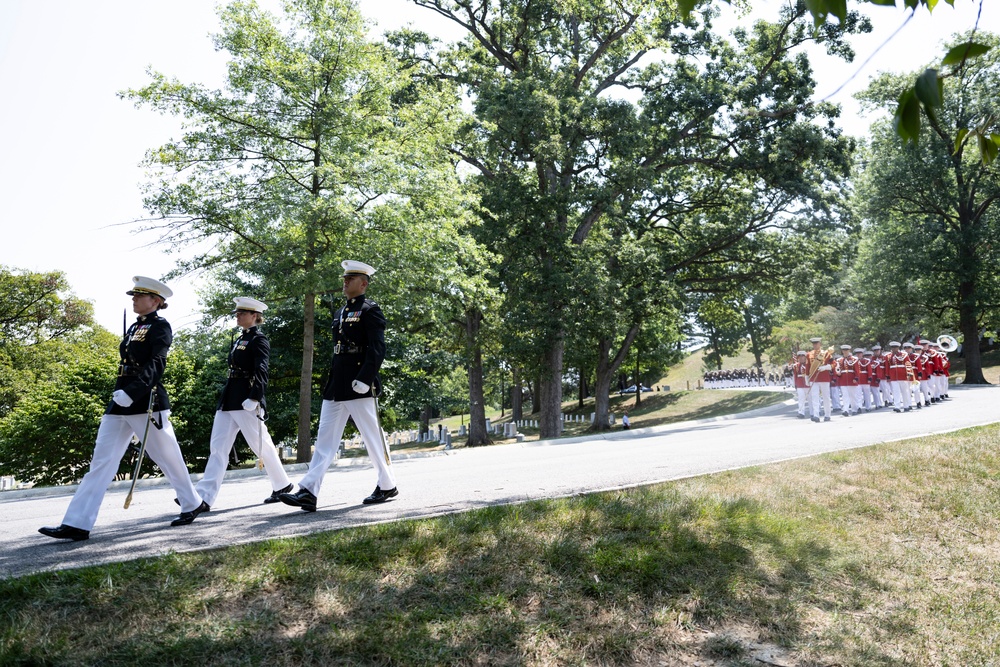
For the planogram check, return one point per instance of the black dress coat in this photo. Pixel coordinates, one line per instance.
(359, 349)
(248, 364)
(143, 357)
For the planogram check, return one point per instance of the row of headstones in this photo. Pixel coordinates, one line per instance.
(566, 419)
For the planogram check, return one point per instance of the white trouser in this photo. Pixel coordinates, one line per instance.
(900, 394)
(332, 420)
(847, 403)
(224, 429)
(835, 398)
(801, 394)
(817, 390)
(113, 438)
(885, 388)
(868, 400)
(876, 393)
(924, 390)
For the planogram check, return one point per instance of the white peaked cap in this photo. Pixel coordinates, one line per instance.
(246, 303)
(355, 268)
(144, 285)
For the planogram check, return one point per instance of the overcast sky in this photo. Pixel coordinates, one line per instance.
(70, 150)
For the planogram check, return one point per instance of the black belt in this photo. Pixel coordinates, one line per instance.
(347, 349)
(125, 370)
(237, 373)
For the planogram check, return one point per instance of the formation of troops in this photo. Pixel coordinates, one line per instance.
(905, 377)
(741, 377)
(140, 408)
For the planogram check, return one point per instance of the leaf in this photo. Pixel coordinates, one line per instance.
(929, 87)
(960, 139)
(987, 149)
(838, 8)
(818, 9)
(907, 119)
(965, 51)
(685, 7)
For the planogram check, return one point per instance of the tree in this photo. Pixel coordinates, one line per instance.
(319, 147)
(37, 312)
(36, 307)
(48, 437)
(925, 93)
(933, 214)
(558, 154)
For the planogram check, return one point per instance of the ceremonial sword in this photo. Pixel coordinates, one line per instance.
(142, 447)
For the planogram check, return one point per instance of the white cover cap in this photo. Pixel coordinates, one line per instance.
(247, 303)
(356, 268)
(145, 285)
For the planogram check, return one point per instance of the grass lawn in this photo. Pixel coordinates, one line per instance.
(885, 555)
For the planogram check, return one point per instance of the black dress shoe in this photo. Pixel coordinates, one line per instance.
(273, 498)
(302, 499)
(380, 496)
(815, 419)
(188, 517)
(64, 532)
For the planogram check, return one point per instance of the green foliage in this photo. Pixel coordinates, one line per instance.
(48, 438)
(926, 259)
(35, 307)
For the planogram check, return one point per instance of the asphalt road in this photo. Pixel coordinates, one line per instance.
(458, 480)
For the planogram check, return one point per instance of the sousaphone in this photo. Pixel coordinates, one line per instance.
(947, 343)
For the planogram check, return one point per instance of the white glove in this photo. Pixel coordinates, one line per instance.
(360, 387)
(250, 405)
(825, 367)
(121, 398)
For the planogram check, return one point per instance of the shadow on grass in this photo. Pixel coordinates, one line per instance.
(602, 579)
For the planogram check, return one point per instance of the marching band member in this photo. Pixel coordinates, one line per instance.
(864, 389)
(801, 371)
(899, 373)
(820, 372)
(847, 379)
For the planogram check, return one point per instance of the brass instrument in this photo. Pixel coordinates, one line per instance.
(815, 362)
(947, 343)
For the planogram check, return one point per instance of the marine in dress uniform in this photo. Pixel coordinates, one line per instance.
(358, 352)
(143, 353)
(242, 406)
(819, 381)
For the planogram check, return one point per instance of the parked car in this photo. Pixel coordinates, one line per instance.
(631, 390)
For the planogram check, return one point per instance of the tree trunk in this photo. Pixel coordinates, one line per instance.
(606, 369)
(425, 419)
(536, 405)
(550, 392)
(477, 404)
(754, 341)
(516, 396)
(303, 450)
(582, 390)
(638, 381)
(969, 325)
